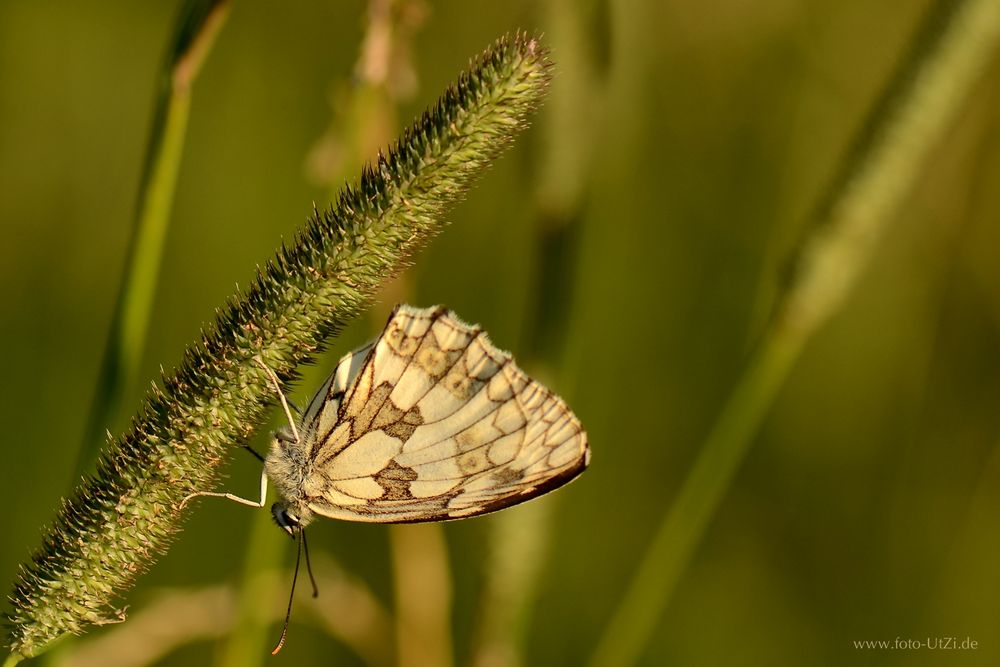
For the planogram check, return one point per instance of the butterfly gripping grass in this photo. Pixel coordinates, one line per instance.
(117, 521)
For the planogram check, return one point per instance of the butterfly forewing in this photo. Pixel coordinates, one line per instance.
(433, 422)
(323, 412)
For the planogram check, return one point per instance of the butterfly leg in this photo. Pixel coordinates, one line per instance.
(257, 455)
(232, 496)
(281, 396)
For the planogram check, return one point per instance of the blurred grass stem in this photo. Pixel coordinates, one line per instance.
(423, 595)
(915, 110)
(520, 539)
(198, 24)
(703, 489)
(250, 641)
(519, 550)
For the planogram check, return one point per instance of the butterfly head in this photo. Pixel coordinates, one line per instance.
(286, 520)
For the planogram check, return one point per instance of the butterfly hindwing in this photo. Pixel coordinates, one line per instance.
(433, 422)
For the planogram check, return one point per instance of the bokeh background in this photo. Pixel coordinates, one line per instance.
(625, 251)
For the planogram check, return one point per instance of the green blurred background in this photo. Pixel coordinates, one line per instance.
(625, 251)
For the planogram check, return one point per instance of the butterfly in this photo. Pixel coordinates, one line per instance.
(428, 422)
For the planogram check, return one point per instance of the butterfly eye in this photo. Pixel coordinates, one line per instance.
(285, 520)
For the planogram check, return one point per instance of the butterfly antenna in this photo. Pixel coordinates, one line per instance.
(309, 567)
(281, 396)
(291, 595)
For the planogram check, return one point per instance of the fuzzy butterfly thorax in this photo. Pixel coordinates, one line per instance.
(287, 468)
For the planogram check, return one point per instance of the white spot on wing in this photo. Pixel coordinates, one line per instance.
(564, 454)
(505, 449)
(427, 488)
(364, 457)
(335, 497)
(361, 487)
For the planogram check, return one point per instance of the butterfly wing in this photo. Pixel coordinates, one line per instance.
(323, 412)
(434, 422)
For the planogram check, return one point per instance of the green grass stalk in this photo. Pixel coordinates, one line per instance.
(250, 642)
(198, 23)
(681, 529)
(422, 589)
(916, 109)
(520, 539)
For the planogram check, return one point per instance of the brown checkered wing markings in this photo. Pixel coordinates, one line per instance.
(432, 422)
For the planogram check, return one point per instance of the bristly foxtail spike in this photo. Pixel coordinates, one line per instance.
(118, 521)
